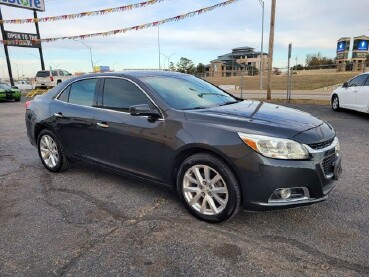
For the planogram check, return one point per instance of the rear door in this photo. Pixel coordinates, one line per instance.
(73, 116)
(133, 143)
(362, 101)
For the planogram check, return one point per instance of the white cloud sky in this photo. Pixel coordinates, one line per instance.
(311, 25)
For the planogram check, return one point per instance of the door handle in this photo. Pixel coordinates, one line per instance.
(59, 114)
(102, 124)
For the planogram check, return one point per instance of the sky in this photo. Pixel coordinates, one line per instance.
(311, 26)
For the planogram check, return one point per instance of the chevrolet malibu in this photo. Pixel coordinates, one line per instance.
(218, 151)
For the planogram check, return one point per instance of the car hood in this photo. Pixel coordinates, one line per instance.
(265, 119)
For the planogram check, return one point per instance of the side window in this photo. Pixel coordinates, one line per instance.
(82, 92)
(61, 73)
(54, 73)
(358, 81)
(64, 96)
(121, 94)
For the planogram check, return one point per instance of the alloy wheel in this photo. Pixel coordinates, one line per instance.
(335, 103)
(49, 151)
(205, 190)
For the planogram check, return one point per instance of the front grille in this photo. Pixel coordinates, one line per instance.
(321, 145)
(328, 164)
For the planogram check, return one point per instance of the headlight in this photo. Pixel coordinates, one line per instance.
(337, 148)
(275, 147)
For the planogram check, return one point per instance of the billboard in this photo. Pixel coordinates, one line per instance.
(341, 46)
(38, 5)
(22, 39)
(362, 45)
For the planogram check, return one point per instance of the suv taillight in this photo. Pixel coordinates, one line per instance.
(51, 78)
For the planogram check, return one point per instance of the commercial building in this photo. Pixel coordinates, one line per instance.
(241, 61)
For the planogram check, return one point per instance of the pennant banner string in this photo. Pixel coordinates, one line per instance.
(83, 14)
(121, 31)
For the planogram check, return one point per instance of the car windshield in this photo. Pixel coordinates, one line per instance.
(4, 86)
(188, 92)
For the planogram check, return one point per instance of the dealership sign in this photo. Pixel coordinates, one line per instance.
(38, 5)
(22, 39)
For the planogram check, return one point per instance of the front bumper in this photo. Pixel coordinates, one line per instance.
(262, 177)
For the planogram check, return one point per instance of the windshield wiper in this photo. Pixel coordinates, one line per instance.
(196, 108)
(229, 103)
(209, 93)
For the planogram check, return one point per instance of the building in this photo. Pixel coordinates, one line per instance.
(359, 54)
(241, 61)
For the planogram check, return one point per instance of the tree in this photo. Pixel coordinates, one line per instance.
(316, 61)
(185, 66)
(298, 67)
(172, 67)
(200, 68)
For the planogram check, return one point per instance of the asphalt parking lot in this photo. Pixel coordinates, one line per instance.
(90, 222)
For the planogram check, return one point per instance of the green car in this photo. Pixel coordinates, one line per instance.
(8, 93)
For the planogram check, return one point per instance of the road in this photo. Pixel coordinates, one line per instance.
(89, 221)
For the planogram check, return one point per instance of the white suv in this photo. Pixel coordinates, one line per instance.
(51, 78)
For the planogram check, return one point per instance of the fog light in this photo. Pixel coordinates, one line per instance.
(285, 193)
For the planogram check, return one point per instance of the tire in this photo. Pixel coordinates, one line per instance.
(215, 200)
(51, 152)
(17, 99)
(58, 82)
(335, 103)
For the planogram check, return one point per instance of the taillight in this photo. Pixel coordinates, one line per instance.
(51, 78)
(27, 104)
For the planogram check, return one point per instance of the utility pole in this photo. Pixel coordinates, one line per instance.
(271, 45)
(159, 47)
(262, 43)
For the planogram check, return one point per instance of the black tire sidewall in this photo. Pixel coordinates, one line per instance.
(60, 162)
(234, 195)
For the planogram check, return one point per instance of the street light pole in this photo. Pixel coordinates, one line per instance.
(92, 62)
(159, 46)
(262, 44)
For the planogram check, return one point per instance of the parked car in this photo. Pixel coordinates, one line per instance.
(23, 85)
(353, 95)
(217, 150)
(51, 78)
(9, 93)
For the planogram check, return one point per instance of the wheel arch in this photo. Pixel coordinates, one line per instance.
(196, 149)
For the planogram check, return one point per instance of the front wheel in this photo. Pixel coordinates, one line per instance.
(335, 103)
(208, 188)
(51, 152)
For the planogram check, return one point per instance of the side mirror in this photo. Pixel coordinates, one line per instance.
(345, 85)
(143, 110)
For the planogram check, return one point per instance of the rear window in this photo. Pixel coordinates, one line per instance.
(45, 73)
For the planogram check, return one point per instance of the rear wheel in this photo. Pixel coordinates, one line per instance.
(208, 188)
(17, 99)
(51, 152)
(335, 103)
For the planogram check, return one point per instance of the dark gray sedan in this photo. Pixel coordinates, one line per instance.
(220, 152)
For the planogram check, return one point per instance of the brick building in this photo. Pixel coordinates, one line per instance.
(241, 61)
